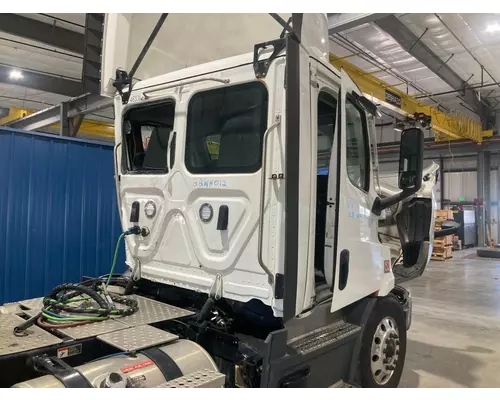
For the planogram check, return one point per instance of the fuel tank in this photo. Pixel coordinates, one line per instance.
(183, 357)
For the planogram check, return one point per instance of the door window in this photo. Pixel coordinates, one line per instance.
(358, 156)
(146, 131)
(327, 111)
(225, 129)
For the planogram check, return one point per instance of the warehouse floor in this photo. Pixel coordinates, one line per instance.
(454, 339)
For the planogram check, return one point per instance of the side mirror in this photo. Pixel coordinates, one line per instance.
(411, 159)
(411, 165)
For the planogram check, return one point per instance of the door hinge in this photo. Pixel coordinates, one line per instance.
(277, 176)
(279, 286)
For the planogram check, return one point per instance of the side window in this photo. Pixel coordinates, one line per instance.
(146, 131)
(225, 129)
(327, 111)
(358, 155)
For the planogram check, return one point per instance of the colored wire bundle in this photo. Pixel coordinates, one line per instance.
(70, 305)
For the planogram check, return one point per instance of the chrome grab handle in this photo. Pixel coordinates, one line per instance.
(263, 196)
(164, 86)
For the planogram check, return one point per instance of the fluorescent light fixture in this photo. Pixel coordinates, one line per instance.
(493, 28)
(15, 75)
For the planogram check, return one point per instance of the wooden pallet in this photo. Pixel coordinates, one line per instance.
(443, 214)
(443, 242)
(436, 257)
(441, 253)
(442, 247)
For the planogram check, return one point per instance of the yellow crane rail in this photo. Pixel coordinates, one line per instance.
(87, 127)
(446, 126)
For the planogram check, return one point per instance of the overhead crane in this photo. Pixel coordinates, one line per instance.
(446, 126)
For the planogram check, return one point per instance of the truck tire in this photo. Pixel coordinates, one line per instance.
(488, 253)
(383, 345)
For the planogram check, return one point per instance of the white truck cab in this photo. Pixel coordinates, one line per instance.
(251, 184)
(203, 152)
(255, 180)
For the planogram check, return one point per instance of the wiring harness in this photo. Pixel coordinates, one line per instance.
(70, 305)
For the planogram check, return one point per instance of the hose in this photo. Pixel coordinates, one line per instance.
(115, 256)
(78, 301)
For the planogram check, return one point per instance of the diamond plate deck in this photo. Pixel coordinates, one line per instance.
(33, 304)
(11, 308)
(137, 338)
(151, 311)
(204, 378)
(86, 331)
(323, 337)
(95, 329)
(11, 344)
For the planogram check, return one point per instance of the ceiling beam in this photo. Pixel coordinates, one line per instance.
(42, 32)
(341, 22)
(412, 44)
(41, 81)
(82, 105)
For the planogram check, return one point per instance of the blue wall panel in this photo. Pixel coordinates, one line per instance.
(58, 213)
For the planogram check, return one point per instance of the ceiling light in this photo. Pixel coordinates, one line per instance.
(493, 28)
(15, 75)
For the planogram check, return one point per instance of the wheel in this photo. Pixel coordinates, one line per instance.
(488, 253)
(383, 346)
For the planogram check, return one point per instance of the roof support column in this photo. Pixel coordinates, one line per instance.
(480, 220)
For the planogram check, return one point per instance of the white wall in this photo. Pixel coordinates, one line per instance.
(183, 41)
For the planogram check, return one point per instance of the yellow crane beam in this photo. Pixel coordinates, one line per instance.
(446, 126)
(87, 127)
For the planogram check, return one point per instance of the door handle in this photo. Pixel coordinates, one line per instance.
(223, 220)
(343, 268)
(134, 212)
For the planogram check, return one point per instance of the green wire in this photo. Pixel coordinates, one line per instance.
(75, 299)
(62, 319)
(114, 258)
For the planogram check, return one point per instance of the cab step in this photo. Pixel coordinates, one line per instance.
(341, 384)
(204, 378)
(323, 336)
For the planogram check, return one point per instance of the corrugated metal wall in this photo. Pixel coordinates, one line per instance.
(58, 214)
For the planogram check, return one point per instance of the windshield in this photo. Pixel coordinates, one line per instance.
(225, 129)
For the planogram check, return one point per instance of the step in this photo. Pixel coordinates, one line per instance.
(323, 337)
(341, 384)
(204, 378)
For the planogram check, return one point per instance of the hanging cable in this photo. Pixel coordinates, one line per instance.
(70, 305)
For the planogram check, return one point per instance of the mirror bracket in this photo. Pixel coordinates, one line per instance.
(380, 204)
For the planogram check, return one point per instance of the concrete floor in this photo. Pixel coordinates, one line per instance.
(454, 340)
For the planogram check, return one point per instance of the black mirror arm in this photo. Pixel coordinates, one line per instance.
(381, 204)
(445, 232)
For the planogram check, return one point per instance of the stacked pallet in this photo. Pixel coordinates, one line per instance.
(457, 243)
(442, 247)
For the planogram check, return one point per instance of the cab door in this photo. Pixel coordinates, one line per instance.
(358, 261)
